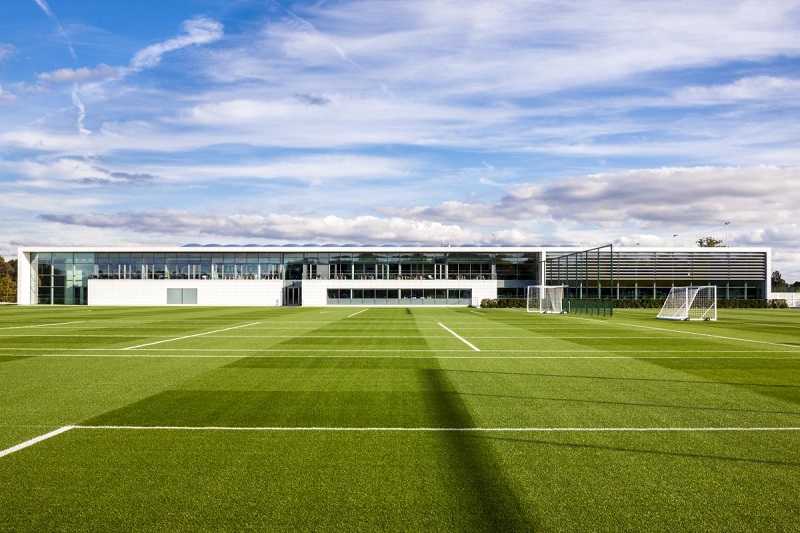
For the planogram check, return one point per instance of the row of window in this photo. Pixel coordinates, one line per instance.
(346, 294)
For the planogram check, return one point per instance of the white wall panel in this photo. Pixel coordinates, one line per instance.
(209, 292)
(24, 275)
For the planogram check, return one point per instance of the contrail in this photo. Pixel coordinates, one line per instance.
(81, 111)
(339, 50)
(49, 12)
(75, 98)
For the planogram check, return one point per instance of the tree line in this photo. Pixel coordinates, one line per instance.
(781, 285)
(8, 280)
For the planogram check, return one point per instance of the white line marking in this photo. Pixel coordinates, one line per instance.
(443, 429)
(45, 325)
(189, 336)
(478, 313)
(354, 314)
(33, 441)
(709, 335)
(285, 354)
(459, 337)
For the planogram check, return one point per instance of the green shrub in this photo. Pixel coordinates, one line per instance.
(643, 303)
(502, 303)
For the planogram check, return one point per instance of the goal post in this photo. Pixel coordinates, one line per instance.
(690, 303)
(544, 299)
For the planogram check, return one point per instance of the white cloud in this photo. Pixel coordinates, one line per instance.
(198, 31)
(101, 72)
(6, 97)
(469, 48)
(6, 51)
(45, 7)
(360, 107)
(312, 169)
(752, 88)
(274, 227)
(665, 197)
(70, 173)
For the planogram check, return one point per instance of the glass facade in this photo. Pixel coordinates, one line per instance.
(61, 278)
(652, 274)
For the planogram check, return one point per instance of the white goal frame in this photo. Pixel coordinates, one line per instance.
(544, 298)
(690, 303)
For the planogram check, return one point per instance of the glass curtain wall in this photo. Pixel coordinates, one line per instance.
(62, 278)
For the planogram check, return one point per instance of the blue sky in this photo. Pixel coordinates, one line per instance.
(336, 121)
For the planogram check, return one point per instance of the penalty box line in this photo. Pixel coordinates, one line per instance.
(35, 440)
(45, 325)
(709, 335)
(190, 336)
(313, 429)
(459, 337)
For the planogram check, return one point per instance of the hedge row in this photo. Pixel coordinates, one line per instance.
(752, 304)
(648, 303)
(495, 303)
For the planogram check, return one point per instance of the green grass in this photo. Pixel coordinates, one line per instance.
(170, 393)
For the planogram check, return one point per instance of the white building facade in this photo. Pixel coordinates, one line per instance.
(314, 275)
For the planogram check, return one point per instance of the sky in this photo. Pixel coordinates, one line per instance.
(140, 122)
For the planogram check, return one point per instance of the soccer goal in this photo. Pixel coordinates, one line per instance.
(690, 303)
(544, 298)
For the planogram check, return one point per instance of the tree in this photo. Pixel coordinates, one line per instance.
(778, 282)
(8, 268)
(709, 242)
(8, 290)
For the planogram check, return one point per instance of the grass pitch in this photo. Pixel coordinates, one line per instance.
(397, 419)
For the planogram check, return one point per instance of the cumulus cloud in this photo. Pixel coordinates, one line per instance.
(274, 226)
(671, 197)
(675, 196)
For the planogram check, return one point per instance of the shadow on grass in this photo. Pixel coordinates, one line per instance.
(473, 462)
(618, 378)
(579, 446)
(634, 404)
(7, 358)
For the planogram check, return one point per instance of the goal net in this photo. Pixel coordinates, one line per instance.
(690, 303)
(544, 298)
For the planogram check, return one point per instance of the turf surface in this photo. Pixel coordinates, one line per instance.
(323, 419)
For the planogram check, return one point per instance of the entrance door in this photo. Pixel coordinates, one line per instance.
(293, 295)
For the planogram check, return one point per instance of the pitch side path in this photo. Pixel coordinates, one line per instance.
(354, 419)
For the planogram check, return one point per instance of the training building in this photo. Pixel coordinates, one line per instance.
(320, 275)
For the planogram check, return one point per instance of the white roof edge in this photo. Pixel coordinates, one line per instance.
(382, 249)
